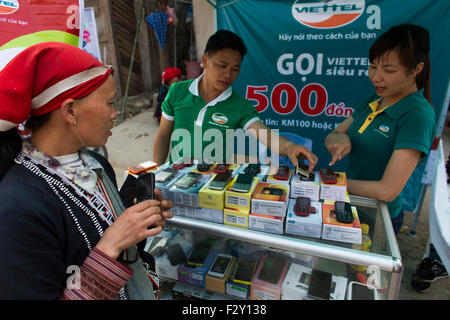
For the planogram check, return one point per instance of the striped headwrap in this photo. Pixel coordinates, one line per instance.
(40, 78)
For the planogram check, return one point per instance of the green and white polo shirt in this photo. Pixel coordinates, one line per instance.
(375, 135)
(199, 126)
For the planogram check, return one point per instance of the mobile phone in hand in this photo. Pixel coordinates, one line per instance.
(146, 187)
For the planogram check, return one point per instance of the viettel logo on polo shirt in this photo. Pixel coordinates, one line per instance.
(219, 118)
(327, 14)
(383, 128)
(8, 6)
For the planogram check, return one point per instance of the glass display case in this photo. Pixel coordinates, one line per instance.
(380, 268)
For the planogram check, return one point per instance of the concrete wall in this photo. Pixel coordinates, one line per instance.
(204, 24)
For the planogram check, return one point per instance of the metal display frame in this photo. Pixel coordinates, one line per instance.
(383, 228)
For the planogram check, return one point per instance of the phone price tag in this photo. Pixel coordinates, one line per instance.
(238, 201)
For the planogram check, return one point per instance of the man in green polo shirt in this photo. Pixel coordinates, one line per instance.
(200, 117)
(393, 130)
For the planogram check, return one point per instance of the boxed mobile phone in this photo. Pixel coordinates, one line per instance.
(296, 284)
(208, 214)
(274, 175)
(184, 211)
(338, 231)
(336, 191)
(217, 284)
(265, 223)
(239, 290)
(188, 196)
(196, 274)
(309, 226)
(213, 198)
(240, 200)
(270, 199)
(263, 170)
(168, 181)
(203, 168)
(184, 165)
(269, 277)
(306, 187)
(164, 266)
(147, 166)
(235, 217)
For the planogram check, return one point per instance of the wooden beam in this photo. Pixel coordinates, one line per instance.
(110, 55)
(144, 46)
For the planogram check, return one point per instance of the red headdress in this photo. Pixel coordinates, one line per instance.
(170, 73)
(41, 77)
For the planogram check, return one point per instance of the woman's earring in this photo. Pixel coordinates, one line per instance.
(74, 122)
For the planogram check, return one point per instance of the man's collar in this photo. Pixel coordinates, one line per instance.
(193, 88)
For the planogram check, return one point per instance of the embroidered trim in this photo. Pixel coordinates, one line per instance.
(50, 178)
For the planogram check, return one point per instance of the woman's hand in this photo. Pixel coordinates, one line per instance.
(338, 145)
(132, 227)
(165, 206)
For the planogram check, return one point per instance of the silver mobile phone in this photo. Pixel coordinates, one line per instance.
(188, 180)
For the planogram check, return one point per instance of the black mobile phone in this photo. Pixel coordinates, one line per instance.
(146, 187)
(203, 167)
(360, 291)
(245, 271)
(273, 266)
(253, 169)
(320, 285)
(175, 254)
(198, 255)
(343, 212)
(243, 182)
(220, 181)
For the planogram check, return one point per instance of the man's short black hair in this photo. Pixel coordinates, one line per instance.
(224, 39)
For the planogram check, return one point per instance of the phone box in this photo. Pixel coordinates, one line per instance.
(218, 284)
(264, 202)
(196, 275)
(261, 222)
(334, 230)
(305, 188)
(240, 200)
(211, 198)
(296, 284)
(188, 197)
(164, 267)
(271, 176)
(239, 290)
(337, 191)
(235, 217)
(310, 226)
(262, 290)
(209, 215)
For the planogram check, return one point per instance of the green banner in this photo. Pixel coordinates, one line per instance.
(307, 64)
